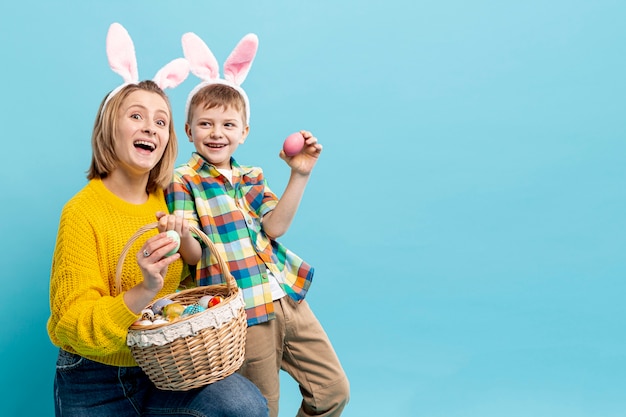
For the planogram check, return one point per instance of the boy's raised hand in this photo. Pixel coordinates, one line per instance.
(304, 161)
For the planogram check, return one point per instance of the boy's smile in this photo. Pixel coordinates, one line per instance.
(217, 133)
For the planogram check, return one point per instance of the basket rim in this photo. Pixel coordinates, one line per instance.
(162, 334)
(234, 293)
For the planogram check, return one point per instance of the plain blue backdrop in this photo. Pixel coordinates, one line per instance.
(466, 218)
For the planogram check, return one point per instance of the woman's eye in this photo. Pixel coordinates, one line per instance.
(135, 116)
(161, 123)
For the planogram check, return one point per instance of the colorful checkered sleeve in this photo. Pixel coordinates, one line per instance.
(180, 200)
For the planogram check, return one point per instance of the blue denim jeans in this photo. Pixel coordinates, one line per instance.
(83, 387)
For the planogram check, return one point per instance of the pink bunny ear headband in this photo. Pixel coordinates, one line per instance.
(203, 65)
(122, 59)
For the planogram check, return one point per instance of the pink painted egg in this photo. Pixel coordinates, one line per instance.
(293, 144)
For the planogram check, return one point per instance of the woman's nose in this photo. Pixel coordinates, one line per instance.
(149, 130)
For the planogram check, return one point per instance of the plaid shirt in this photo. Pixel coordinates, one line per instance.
(230, 215)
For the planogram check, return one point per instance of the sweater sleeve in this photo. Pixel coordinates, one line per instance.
(86, 316)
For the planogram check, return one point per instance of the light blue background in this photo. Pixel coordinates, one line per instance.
(466, 218)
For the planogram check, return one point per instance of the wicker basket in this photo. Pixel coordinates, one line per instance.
(199, 349)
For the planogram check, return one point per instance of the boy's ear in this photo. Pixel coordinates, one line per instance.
(188, 132)
(246, 130)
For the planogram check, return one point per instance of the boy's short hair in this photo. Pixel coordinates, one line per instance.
(218, 95)
(104, 160)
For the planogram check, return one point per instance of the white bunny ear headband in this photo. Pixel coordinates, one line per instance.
(122, 59)
(203, 65)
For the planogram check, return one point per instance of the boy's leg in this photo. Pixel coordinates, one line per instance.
(264, 346)
(311, 360)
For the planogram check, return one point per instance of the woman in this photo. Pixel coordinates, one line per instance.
(134, 150)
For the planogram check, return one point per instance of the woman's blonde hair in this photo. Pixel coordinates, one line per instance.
(104, 160)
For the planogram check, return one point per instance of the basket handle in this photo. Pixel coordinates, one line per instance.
(230, 280)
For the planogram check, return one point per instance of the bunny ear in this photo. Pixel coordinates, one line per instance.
(202, 62)
(172, 74)
(121, 53)
(239, 61)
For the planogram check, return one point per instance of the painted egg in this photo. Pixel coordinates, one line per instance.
(204, 301)
(143, 323)
(172, 234)
(173, 311)
(147, 314)
(293, 144)
(192, 309)
(215, 301)
(158, 305)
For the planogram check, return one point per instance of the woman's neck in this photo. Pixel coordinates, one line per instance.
(131, 189)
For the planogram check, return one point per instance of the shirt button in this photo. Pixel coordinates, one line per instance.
(249, 222)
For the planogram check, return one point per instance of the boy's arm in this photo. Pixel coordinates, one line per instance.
(180, 203)
(277, 222)
(190, 249)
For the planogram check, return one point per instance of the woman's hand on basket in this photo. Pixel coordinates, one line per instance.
(153, 261)
(153, 264)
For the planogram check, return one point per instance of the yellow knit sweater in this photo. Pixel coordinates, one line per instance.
(87, 317)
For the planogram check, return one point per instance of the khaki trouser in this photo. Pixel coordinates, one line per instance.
(296, 343)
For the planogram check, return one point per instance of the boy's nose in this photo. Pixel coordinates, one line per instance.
(215, 132)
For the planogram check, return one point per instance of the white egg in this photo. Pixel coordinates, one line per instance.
(204, 301)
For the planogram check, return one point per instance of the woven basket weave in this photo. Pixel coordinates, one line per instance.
(196, 350)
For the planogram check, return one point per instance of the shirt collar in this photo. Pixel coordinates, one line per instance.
(199, 164)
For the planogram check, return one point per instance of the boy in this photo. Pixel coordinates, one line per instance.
(236, 209)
